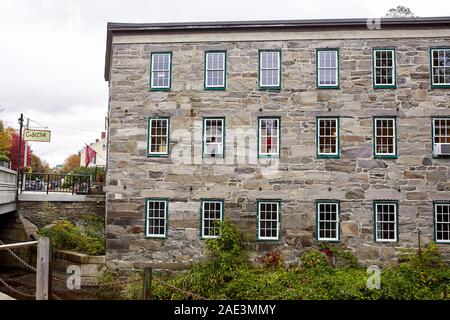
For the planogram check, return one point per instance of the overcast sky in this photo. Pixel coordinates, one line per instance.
(52, 52)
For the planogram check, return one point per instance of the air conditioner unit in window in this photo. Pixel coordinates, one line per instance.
(442, 149)
(213, 150)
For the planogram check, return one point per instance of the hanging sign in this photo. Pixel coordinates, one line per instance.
(37, 135)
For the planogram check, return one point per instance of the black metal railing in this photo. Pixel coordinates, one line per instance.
(52, 182)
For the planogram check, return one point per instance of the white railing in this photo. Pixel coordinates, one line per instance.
(8, 187)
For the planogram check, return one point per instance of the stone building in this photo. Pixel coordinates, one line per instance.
(300, 132)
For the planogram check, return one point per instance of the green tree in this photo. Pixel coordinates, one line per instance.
(38, 165)
(400, 12)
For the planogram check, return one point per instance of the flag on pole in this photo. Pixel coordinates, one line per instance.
(90, 154)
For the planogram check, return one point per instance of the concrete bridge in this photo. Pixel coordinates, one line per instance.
(8, 179)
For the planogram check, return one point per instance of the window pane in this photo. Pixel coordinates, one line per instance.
(160, 70)
(269, 68)
(158, 136)
(268, 137)
(327, 68)
(215, 69)
(441, 66)
(211, 214)
(328, 221)
(268, 220)
(386, 221)
(327, 136)
(156, 218)
(384, 136)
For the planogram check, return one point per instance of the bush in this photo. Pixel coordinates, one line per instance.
(4, 158)
(227, 274)
(314, 259)
(88, 238)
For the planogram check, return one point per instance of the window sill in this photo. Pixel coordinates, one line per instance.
(324, 156)
(330, 87)
(385, 157)
(385, 87)
(160, 89)
(157, 155)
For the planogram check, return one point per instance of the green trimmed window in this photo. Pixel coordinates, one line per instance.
(161, 68)
(386, 228)
(213, 137)
(270, 69)
(327, 137)
(269, 137)
(385, 137)
(327, 61)
(441, 136)
(384, 73)
(268, 220)
(211, 213)
(442, 222)
(215, 69)
(327, 220)
(158, 137)
(156, 218)
(440, 67)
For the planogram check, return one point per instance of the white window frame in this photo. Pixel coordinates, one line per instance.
(435, 136)
(320, 67)
(278, 54)
(203, 236)
(149, 141)
(375, 68)
(319, 119)
(266, 154)
(207, 70)
(220, 146)
(147, 218)
(169, 70)
(436, 221)
(394, 137)
(395, 222)
(336, 222)
(445, 84)
(271, 202)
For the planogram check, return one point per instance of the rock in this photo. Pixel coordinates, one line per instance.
(372, 164)
(355, 194)
(413, 175)
(436, 176)
(349, 229)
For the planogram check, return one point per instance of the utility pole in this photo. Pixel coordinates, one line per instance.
(25, 153)
(19, 154)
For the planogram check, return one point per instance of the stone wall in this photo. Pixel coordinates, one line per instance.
(42, 213)
(415, 179)
(13, 228)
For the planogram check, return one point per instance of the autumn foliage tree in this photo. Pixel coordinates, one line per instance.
(5, 139)
(72, 162)
(14, 156)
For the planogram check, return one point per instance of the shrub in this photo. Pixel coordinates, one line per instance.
(227, 274)
(87, 238)
(314, 259)
(271, 260)
(4, 158)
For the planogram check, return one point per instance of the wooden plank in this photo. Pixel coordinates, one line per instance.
(42, 270)
(147, 294)
(17, 245)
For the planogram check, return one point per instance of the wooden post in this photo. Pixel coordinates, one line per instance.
(147, 294)
(42, 270)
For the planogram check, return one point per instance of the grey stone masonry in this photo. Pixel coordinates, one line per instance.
(298, 178)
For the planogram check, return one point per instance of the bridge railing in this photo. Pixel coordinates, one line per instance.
(8, 187)
(53, 182)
